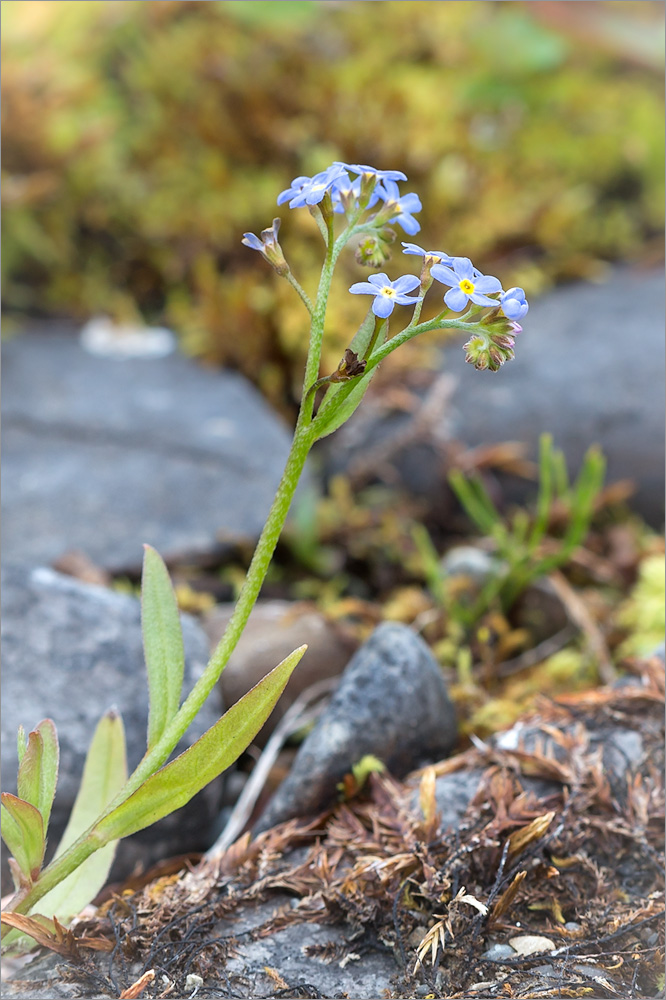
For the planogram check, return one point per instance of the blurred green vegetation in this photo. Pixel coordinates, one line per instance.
(142, 139)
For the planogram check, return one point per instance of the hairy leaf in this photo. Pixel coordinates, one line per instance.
(162, 644)
(38, 770)
(23, 833)
(176, 783)
(104, 774)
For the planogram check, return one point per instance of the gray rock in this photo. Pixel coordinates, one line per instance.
(101, 455)
(293, 953)
(453, 793)
(274, 630)
(468, 561)
(391, 702)
(71, 651)
(299, 953)
(497, 952)
(589, 368)
(622, 752)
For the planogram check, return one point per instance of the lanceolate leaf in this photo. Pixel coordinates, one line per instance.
(162, 644)
(175, 784)
(38, 770)
(342, 400)
(104, 774)
(23, 833)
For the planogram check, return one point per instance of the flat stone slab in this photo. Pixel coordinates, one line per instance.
(101, 455)
(71, 651)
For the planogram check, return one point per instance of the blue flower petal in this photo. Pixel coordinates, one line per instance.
(456, 299)
(444, 274)
(363, 288)
(408, 223)
(483, 300)
(463, 268)
(380, 280)
(413, 248)
(487, 284)
(383, 306)
(252, 241)
(407, 283)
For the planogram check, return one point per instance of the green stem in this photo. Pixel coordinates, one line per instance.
(301, 291)
(89, 842)
(304, 437)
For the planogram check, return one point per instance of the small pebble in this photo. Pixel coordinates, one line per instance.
(571, 925)
(497, 952)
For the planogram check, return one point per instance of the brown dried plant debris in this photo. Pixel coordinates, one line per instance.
(519, 864)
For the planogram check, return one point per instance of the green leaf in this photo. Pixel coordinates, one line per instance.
(333, 412)
(340, 414)
(38, 770)
(104, 774)
(177, 782)
(162, 644)
(23, 833)
(21, 745)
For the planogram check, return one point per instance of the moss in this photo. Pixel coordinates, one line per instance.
(145, 138)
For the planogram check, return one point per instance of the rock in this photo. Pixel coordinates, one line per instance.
(101, 454)
(498, 952)
(622, 750)
(468, 561)
(274, 630)
(301, 955)
(391, 702)
(70, 652)
(589, 368)
(453, 793)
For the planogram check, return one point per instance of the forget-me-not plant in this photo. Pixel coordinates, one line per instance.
(370, 200)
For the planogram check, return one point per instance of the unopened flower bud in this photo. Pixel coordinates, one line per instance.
(373, 250)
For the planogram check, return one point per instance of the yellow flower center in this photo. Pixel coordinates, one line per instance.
(467, 286)
(388, 292)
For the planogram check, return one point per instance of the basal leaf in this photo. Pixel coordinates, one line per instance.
(23, 833)
(30, 769)
(162, 644)
(38, 770)
(176, 783)
(49, 772)
(104, 774)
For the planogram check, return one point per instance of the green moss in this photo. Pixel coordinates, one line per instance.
(643, 613)
(141, 140)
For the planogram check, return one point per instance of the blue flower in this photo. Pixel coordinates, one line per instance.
(387, 293)
(514, 304)
(268, 246)
(466, 283)
(445, 258)
(402, 207)
(269, 238)
(381, 175)
(311, 190)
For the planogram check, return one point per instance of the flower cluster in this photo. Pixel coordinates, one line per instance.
(354, 188)
(364, 190)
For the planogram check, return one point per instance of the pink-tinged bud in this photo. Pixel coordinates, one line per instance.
(495, 358)
(503, 340)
